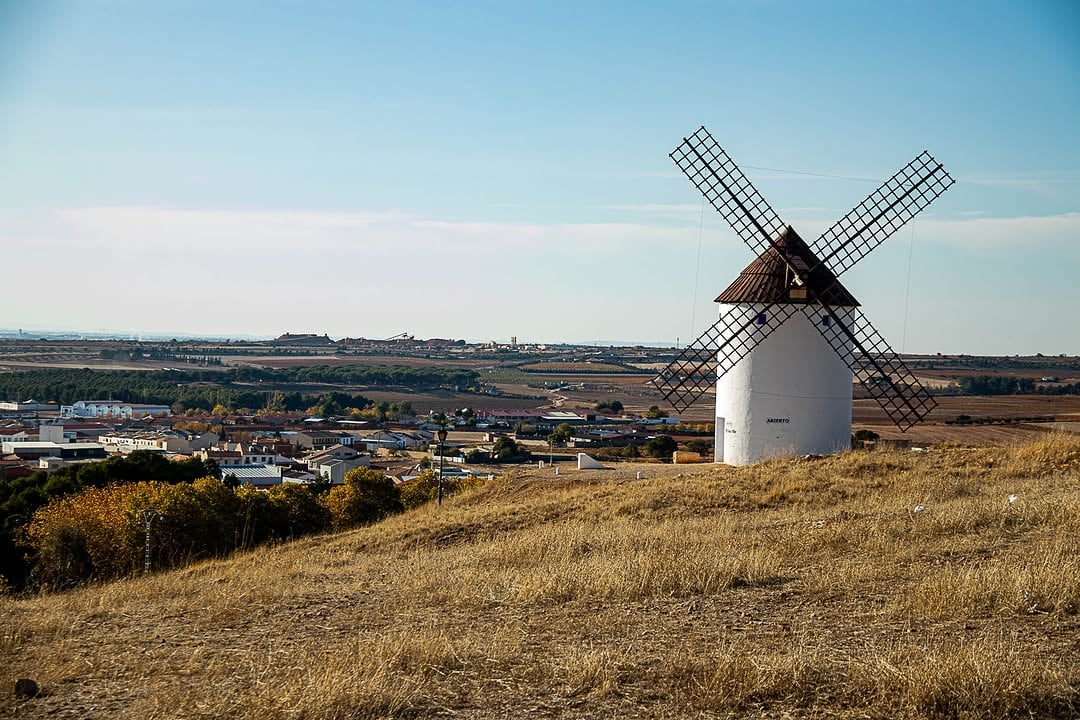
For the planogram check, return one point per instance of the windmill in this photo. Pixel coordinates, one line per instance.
(791, 339)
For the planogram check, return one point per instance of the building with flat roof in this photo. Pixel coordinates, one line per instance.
(26, 406)
(260, 476)
(64, 451)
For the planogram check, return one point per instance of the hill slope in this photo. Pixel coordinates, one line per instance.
(794, 588)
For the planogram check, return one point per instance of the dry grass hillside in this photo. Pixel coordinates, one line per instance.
(803, 588)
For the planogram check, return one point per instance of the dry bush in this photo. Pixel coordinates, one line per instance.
(572, 560)
(736, 679)
(1054, 453)
(1040, 578)
(957, 678)
(593, 672)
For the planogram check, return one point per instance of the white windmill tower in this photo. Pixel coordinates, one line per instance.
(790, 338)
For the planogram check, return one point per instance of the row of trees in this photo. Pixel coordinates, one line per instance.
(203, 389)
(171, 387)
(1009, 385)
(400, 375)
(133, 354)
(100, 532)
(660, 447)
(21, 497)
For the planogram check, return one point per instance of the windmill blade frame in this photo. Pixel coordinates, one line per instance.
(731, 338)
(728, 190)
(882, 213)
(877, 367)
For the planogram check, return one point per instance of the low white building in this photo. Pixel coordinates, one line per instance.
(16, 435)
(113, 408)
(392, 439)
(23, 406)
(260, 476)
(238, 454)
(129, 441)
(66, 451)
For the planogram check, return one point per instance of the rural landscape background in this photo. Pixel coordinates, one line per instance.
(327, 330)
(882, 582)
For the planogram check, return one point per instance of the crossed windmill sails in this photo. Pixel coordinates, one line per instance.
(811, 280)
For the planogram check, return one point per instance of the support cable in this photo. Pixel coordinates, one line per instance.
(697, 270)
(907, 291)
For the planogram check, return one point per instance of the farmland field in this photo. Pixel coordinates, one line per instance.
(277, 361)
(567, 383)
(575, 367)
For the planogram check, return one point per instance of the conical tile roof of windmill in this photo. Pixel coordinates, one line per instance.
(768, 279)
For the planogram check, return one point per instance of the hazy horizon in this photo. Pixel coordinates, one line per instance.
(483, 170)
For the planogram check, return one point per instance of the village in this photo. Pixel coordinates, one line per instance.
(267, 450)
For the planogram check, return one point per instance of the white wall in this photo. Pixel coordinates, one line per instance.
(790, 396)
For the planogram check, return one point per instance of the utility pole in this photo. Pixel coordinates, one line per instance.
(148, 519)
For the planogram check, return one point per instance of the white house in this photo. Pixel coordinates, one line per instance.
(397, 440)
(238, 454)
(332, 464)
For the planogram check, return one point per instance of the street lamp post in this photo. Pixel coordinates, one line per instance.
(442, 453)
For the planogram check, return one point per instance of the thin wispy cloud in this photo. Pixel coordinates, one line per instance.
(1038, 183)
(670, 210)
(627, 278)
(994, 232)
(127, 228)
(389, 232)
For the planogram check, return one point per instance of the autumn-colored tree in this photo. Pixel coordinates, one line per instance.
(425, 488)
(195, 426)
(367, 495)
(92, 534)
(100, 532)
(301, 511)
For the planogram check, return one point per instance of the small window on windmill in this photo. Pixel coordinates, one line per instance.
(760, 319)
(826, 321)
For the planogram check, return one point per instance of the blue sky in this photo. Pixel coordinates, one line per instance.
(486, 169)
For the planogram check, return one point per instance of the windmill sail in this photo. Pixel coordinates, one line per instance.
(882, 213)
(878, 368)
(728, 190)
(714, 352)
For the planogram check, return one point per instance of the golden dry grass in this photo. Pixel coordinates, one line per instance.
(794, 588)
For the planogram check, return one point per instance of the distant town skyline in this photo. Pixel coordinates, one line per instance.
(485, 170)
